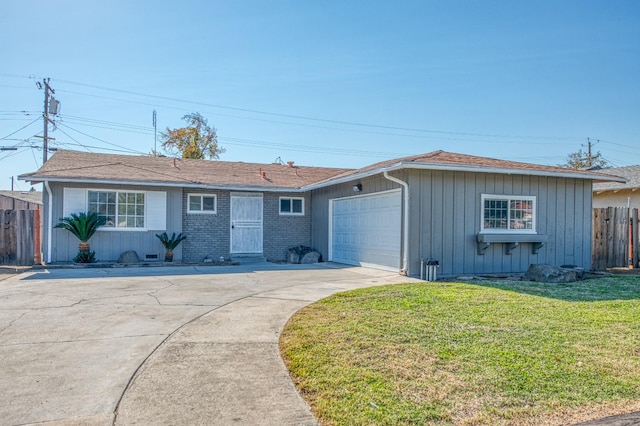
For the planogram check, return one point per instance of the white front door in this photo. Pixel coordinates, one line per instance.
(246, 223)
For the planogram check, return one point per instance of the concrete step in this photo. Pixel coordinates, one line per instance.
(248, 259)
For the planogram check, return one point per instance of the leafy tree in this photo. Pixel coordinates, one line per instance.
(580, 160)
(197, 140)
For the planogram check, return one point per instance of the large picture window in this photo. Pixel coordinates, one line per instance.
(502, 213)
(120, 209)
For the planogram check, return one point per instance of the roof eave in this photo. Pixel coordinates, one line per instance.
(41, 179)
(465, 168)
(632, 188)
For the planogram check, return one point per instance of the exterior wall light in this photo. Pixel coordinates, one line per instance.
(357, 187)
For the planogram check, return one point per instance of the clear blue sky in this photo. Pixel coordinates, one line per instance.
(334, 83)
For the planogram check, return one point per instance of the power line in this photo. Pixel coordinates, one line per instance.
(316, 126)
(307, 118)
(298, 117)
(124, 127)
(101, 148)
(113, 123)
(73, 139)
(620, 144)
(305, 148)
(21, 128)
(102, 140)
(115, 128)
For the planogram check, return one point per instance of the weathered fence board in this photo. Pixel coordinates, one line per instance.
(635, 256)
(17, 237)
(615, 237)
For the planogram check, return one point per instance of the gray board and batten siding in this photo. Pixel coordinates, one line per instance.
(445, 219)
(110, 243)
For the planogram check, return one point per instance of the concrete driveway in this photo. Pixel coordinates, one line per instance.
(173, 345)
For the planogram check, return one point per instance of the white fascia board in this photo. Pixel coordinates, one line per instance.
(473, 169)
(608, 187)
(349, 178)
(502, 171)
(167, 184)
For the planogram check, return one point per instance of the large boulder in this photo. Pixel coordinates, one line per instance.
(550, 274)
(129, 256)
(311, 257)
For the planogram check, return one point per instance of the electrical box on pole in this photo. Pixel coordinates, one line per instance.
(51, 106)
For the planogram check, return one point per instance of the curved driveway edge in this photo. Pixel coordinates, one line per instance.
(202, 343)
(225, 368)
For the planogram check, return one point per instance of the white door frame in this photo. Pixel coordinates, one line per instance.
(251, 224)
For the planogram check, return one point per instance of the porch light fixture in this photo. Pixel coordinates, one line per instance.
(357, 187)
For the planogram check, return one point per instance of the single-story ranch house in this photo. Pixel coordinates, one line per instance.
(473, 215)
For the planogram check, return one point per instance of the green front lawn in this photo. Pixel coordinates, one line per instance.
(495, 352)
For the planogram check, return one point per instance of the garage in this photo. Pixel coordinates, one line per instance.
(365, 230)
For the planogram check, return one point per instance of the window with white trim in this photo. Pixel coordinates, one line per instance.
(119, 209)
(508, 213)
(201, 203)
(292, 206)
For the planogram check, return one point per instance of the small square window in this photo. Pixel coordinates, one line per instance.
(198, 203)
(291, 206)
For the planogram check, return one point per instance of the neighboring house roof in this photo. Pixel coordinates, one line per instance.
(27, 196)
(74, 166)
(442, 160)
(631, 173)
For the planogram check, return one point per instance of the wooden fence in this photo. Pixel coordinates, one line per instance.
(20, 237)
(615, 238)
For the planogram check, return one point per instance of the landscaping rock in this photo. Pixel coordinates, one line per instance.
(295, 254)
(550, 274)
(580, 272)
(312, 257)
(129, 256)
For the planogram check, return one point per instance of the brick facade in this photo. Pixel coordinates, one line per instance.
(282, 232)
(208, 234)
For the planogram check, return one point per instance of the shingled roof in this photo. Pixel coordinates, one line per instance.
(631, 173)
(74, 166)
(27, 196)
(442, 160)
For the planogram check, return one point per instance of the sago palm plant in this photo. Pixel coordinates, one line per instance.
(82, 226)
(170, 243)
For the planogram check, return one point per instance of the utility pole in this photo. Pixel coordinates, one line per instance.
(50, 106)
(589, 154)
(155, 133)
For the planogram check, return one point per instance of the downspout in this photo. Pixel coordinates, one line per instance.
(405, 233)
(49, 220)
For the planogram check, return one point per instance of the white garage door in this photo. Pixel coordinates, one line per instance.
(365, 230)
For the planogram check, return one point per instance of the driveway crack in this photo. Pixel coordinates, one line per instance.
(12, 322)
